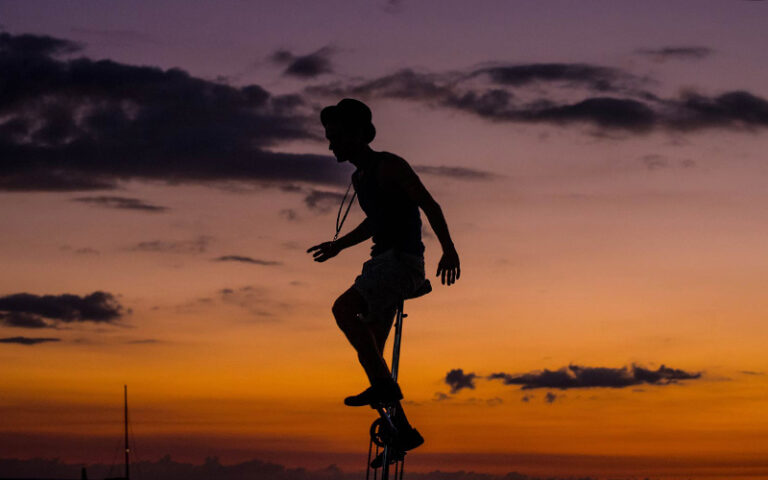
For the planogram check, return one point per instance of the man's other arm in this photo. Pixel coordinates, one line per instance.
(327, 250)
(359, 234)
(400, 173)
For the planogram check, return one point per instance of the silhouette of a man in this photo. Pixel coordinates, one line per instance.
(390, 193)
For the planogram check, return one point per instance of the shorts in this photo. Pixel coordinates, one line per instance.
(386, 279)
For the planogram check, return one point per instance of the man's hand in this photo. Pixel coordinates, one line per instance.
(324, 251)
(448, 268)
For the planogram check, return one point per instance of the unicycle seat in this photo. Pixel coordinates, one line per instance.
(424, 289)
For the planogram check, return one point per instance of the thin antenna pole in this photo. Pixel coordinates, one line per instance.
(127, 450)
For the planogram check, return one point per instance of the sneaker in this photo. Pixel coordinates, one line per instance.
(380, 392)
(406, 440)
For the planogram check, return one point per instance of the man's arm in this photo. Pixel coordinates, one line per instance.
(327, 250)
(359, 234)
(398, 172)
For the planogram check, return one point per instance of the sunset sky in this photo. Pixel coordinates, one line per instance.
(601, 166)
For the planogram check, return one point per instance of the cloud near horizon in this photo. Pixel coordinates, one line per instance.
(575, 376)
(27, 310)
(458, 380)
(28, 340)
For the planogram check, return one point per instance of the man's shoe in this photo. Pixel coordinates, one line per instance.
(407, 439)
(380, 392)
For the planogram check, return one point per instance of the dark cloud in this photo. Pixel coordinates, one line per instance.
(592, 76)
(36, 311)
(23, 320)
(243, 259)
(514, 95)
(121, 202)
(198, 245)
(738, 110)
(550, 397)
(27, 46)
(458, 380)
(684, 53)
(459, 173)
(305, 66)
(28, 340)
(574, 376)
(403, 84)
(80, 124)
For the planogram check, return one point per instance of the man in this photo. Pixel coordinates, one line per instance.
(390, 193)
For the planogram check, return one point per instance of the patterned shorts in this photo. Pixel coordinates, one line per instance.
(387, 278)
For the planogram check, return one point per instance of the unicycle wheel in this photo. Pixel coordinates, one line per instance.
(381, 433)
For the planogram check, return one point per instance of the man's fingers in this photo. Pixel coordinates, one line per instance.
(313, 248)
(458, 272)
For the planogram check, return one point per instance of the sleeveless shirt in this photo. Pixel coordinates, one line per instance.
(394, 217)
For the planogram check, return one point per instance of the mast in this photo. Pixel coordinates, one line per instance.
(127, 450)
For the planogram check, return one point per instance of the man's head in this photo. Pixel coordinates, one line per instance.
(348, 128)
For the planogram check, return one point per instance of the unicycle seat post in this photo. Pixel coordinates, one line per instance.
(383, 430)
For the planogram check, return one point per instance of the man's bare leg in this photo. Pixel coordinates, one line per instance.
(360, 335)
(381, 332)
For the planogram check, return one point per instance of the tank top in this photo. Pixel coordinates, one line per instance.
(394, 217)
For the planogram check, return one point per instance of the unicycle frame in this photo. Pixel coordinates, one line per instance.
(388, 413)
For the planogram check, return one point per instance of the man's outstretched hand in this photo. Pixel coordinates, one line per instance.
(448, 268)
(324, 251)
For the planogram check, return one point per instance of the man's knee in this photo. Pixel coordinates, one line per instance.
(343, 313)
(349, 303)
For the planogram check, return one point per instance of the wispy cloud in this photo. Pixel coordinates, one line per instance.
(458, 173)
(305, 66)
(121, 203)
(244, 259)
(675, 53)
(195, 246)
